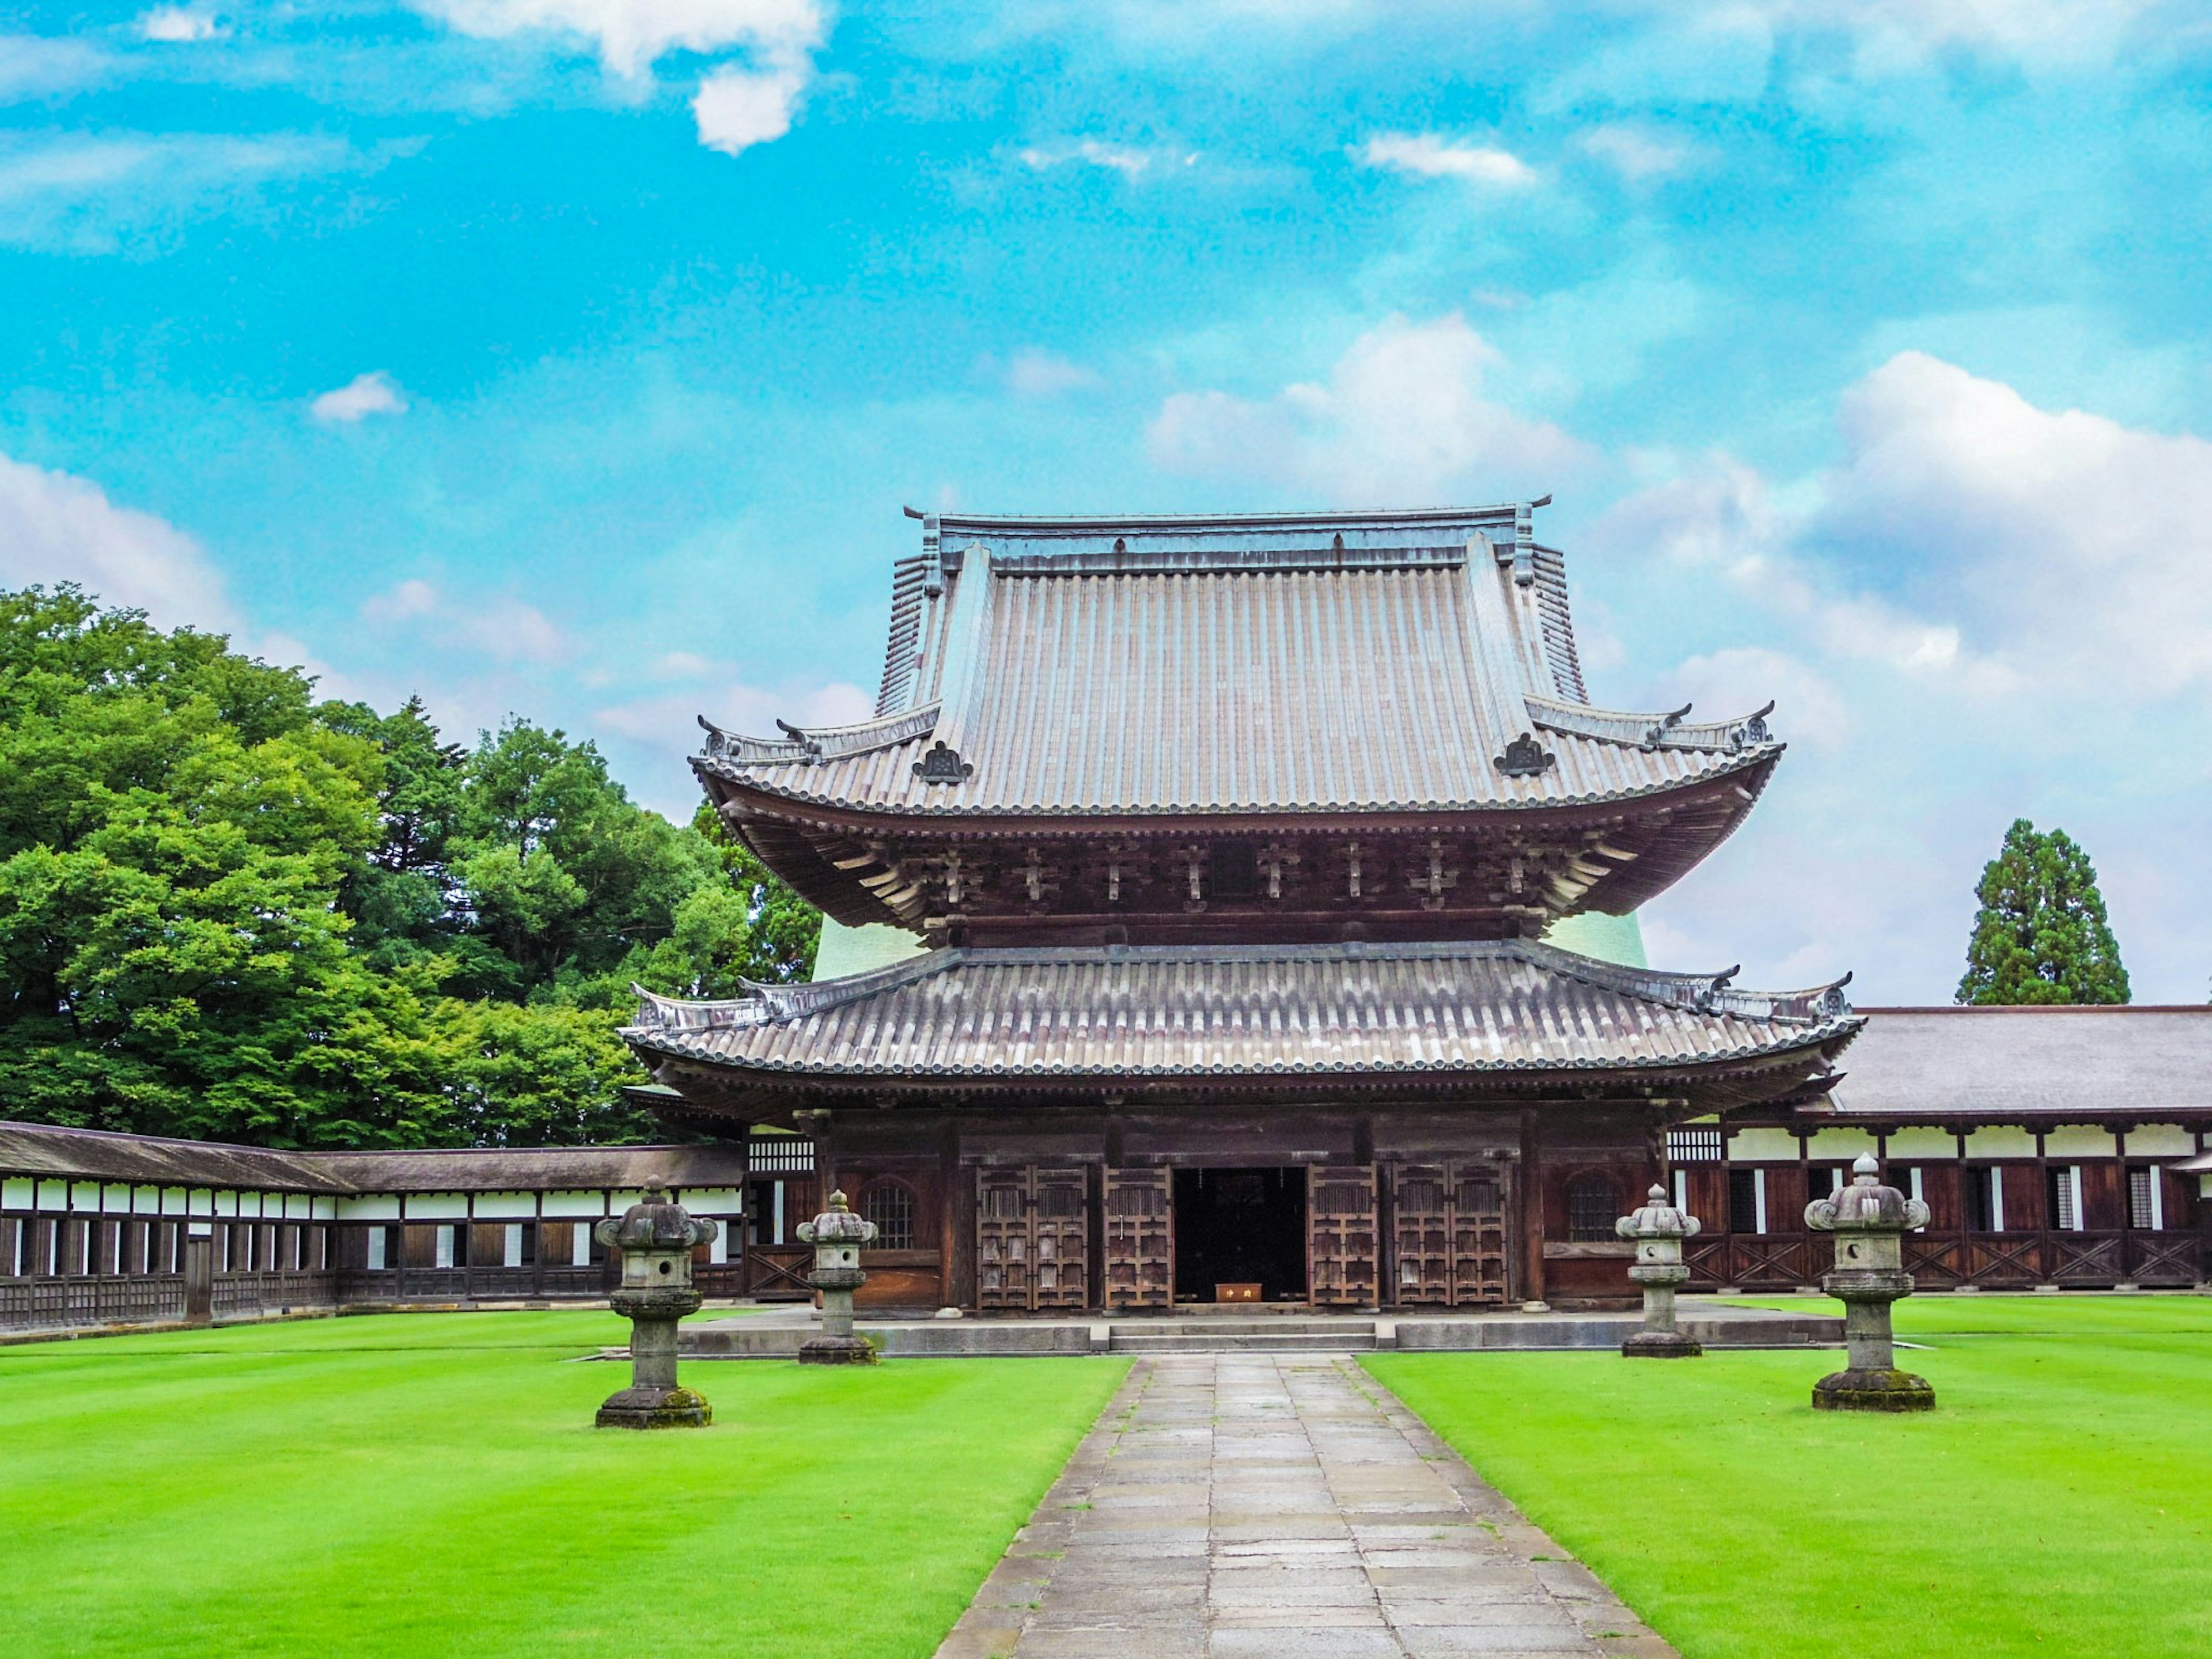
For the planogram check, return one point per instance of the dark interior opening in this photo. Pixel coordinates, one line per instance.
(1240, 1227)
(1232, 870)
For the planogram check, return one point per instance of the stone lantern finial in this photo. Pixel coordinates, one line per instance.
(655, 1237)
(837, 1235)
(1658, 1230)
(1870, 1221)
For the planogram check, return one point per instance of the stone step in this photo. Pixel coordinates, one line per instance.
(1341, 1339)
(1230, 1325)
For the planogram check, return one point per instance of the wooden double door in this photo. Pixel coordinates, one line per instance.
(1032, 1238)
(1447, 1227)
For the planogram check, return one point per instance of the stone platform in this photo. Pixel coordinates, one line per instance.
(775, 1333)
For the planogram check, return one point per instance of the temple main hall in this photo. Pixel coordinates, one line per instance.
(1239, 854)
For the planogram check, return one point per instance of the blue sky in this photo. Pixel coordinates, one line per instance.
(575, 356)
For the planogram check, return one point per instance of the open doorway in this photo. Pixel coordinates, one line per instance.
(1240, 1227)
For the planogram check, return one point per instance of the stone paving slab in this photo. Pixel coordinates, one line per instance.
(1281, 1506)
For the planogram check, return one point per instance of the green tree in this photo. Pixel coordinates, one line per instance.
(2041, 934)
(229, 910)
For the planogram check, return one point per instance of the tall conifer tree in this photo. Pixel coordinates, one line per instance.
(2041, 935)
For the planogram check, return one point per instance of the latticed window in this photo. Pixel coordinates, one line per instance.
(2144, 1209)
(1694, 1145)
(890, 1206)
(1591, 1207)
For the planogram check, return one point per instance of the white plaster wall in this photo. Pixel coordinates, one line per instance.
(1762, 1147)
(2001, 1142)
(2078, 1140)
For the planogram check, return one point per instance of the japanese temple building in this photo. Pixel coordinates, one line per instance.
(1217, 903)
(1235, 842)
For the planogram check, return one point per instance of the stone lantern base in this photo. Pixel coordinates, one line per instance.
(1874, 1391)
(828, 1350)
(1661, 1345)
(650, 1407)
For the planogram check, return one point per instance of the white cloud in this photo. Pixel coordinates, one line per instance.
(179, 23)
(57, 527)
(750, 98)
(1986, 609)
(1425, 155)
(1401, 418)
(1036, 373)
(737, 108)
(1637, 153)
(47, 66)
(87, 193)
(503, 628)
(373, 393)
(1132, 163)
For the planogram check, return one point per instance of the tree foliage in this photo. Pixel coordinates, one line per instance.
(2041, 935)
(229, 910)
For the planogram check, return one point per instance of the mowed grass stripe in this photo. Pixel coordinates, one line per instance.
(2059, 1501)
(432, 1485)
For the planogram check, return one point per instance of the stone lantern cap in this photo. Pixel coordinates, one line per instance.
(1657, 1218)
(1866, 1206)
(657, 1222)
(837, 1226)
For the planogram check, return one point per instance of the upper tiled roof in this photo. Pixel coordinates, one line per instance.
(45, 1149)
(1249, 1011)
(1333, 663)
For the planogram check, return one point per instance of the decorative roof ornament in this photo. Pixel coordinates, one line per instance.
(1831, 1003)
(1658, 734)
(1524, 758)
(805, 740)
(943, 764)
(1710, 995)
(1753, 730)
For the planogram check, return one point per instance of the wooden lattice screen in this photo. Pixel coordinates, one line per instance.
(1140, 1238)
(1341, 1236)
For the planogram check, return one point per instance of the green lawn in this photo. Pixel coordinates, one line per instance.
(2058, 1502)
(431, 1484)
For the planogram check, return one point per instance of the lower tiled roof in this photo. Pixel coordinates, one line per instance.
(1191, 1011)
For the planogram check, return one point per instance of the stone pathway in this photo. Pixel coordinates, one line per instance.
(1284, 1506)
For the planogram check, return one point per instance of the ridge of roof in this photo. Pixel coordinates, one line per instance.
(1698, 992)
(1653, 731)
(1092, 523)
(808, 745)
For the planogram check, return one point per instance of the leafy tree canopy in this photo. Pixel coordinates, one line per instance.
(2041, 935)
(231, 911)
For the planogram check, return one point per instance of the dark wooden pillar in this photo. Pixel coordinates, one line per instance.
(199, 1279)
(951, 1213)
(1532, 1211)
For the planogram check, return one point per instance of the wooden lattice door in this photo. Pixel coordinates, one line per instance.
(1478, 1233)
(1423, 1235)
(1061, 1219)
(1341, 1236)
(1031, 1249)
(1003, 1253)
(1140, 1238)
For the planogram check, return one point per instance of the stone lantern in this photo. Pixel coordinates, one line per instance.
(1658, 1230)
(836, 1235)
(1870, 1221)
(655, 1236)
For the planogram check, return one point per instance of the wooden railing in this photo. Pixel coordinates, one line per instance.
(112, 1299)
(244, 1296)
(1944, 1261)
